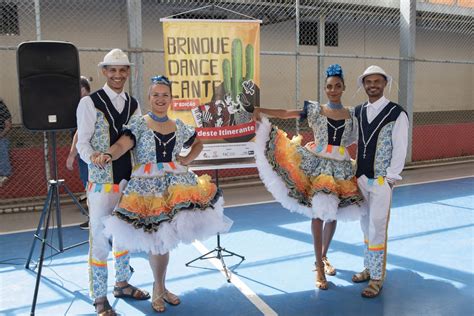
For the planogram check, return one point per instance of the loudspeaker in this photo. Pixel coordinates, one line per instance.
(49, 82)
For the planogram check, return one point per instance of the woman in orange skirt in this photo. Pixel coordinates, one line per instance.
(316, 180)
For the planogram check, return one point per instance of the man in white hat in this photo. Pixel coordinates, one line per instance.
(100, 117)
(382, 148)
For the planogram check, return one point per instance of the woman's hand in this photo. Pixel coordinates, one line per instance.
(310, 145)
(101, 159)
(256, 115)
(184, 161)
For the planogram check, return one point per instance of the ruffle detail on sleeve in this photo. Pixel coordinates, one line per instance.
(129, 133)
(190, 141)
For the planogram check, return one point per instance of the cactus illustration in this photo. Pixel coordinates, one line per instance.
(249, 62)
(232, 70)
(236, 68)
(227, 76)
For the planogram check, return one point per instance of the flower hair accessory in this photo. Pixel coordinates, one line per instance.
(160, 80)
(334, 70)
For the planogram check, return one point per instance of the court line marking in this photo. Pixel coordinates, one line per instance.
(432, 181)
(34, 229)
(238, 283)
(250, 203)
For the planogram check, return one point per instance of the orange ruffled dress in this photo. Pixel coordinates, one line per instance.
(164, 203)
(316, 180)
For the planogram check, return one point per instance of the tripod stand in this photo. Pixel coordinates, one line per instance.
(220, 252)
(52, 199)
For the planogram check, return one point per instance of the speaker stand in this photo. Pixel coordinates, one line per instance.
(52, 198)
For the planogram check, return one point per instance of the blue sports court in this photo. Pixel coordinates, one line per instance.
(430, 265)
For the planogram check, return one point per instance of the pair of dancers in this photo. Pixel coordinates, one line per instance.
(320, 181)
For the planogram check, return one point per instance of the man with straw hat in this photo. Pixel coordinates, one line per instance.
(100, 117)
(382, 148)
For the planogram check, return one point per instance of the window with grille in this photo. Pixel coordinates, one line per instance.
(331, 37)
(9, 19)
(309, 33)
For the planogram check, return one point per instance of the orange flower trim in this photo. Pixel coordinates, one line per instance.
(144, 206)
(202, 193)
(324, 183)
(289, 159)
(343, 188)
(348, 188)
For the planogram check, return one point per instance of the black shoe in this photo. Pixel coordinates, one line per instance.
(84, 226)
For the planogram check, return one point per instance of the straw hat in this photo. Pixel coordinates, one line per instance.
(373, 70)
(116, 57)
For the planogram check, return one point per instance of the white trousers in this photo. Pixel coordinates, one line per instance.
(377, 200)
(101, 200)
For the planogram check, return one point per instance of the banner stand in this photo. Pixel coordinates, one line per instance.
(219, 251)
(210, 6)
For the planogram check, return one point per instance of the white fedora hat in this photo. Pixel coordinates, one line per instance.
(373, 70)
(116, 57)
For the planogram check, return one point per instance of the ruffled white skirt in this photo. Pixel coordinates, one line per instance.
(186, 226)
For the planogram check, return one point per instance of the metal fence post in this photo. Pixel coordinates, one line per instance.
(134, 11)
(45, 134)
(297, 60)
(321, 42)
(406, 70)
(38, 20)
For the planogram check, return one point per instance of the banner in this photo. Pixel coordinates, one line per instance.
(214, 66)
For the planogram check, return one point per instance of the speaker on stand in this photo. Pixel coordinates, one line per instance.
(49, 86)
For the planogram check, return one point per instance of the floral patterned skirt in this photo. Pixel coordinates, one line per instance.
(157, 212)
(303, 182)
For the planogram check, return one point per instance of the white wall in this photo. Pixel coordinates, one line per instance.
(438, 87)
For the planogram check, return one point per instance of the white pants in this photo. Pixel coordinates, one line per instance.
(377, 200)
(102, 199)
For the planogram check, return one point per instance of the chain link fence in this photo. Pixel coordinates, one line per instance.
(299, 39)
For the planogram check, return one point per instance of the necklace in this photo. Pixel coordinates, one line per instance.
(335, 130)
(162, 143)
(157, 118)
(375, 130)
(335, 106)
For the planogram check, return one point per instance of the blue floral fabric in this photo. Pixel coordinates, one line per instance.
(319, 123)
(100, 142)
(145, 151)
(313, 166)
(383, 153)
(376, 264)
(98, 286)
(157, 185)
(122, 267)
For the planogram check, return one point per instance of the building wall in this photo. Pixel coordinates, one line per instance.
(103, 24)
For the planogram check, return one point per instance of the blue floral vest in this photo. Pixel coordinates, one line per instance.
(107, 130)
(375, 159)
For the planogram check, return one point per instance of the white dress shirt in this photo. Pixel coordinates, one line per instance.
(86, 118)
(399, 138)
